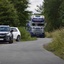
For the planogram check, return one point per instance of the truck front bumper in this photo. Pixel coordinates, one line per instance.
(37, 35)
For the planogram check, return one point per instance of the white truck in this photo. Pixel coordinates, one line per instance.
(36, 26)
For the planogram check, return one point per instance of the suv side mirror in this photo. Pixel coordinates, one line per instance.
(11, 31)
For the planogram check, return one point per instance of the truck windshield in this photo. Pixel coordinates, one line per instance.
(37, 20)
(4, 29)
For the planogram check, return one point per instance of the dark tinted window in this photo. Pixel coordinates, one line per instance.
(4, 28)
(14, 29)
(40, 24)
(33, 24)
(37, 20)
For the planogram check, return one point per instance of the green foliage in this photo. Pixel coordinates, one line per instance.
(61, 12)
(53, 10)
(25, 36)
(48, 34)
(13, 12)
(8, 13)
(40, 9)
(57, 45)
(21, 6)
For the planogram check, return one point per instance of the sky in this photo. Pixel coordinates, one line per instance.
(34, 4)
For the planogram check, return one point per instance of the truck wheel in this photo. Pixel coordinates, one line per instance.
(43, 36)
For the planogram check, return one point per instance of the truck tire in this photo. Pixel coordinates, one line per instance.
(43, 36)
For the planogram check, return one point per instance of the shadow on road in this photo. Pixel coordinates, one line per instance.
(3, 42)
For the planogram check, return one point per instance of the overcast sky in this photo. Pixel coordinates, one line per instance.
(34, 4)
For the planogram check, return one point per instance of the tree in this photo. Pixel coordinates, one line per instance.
(40, 9)
(21, 6)
(51, 13)
(61, 13)
(8, 14)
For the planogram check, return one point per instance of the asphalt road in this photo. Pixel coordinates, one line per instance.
(31, 52)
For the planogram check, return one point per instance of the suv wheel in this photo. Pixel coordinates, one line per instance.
(18, 38)
(11, 41)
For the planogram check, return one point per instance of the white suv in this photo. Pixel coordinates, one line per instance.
(16, 33)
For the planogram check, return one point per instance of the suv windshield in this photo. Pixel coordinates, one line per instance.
(4, 29)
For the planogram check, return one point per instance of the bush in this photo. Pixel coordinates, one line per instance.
(48, 34)
(57, 45)
(25, 35)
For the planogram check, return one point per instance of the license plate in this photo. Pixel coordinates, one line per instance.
(1, 39)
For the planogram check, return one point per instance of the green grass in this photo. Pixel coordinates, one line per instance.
(25, 36)
(48, 35)
(57, 45)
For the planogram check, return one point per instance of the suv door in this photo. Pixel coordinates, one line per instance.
(15, 33)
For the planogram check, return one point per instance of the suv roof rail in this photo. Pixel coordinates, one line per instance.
(4, 25)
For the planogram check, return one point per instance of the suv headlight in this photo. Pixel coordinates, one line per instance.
(8, 34)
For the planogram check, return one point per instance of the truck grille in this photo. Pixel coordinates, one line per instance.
(38, 31)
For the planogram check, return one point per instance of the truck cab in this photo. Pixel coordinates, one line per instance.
(36, 26)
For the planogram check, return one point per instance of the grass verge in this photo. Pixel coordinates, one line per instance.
(57, 45)
(25, 36)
